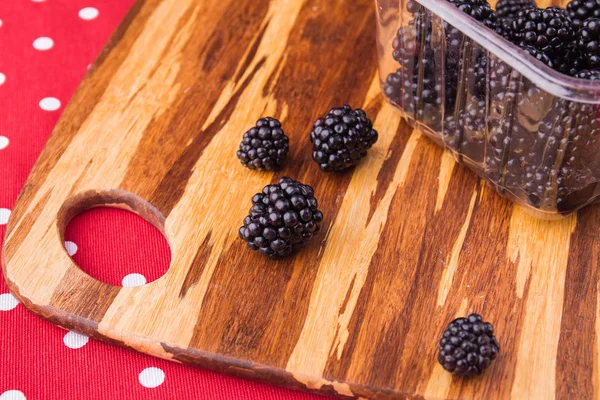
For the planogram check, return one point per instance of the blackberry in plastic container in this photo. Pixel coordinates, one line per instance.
(468, 346)
(539, 55)
(393, 87)
(282, 219)
(589, 74)
(341, 138)
(265, 146)
(479, 10)
(508, 9)
(549, 30)
(575, 187)
(465, 133)
(580, 10)
(588, 42)
(420, 90)
(458, 45)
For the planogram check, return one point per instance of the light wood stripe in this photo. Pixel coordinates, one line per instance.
(542, 250)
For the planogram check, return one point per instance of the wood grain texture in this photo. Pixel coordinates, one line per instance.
(411, 239)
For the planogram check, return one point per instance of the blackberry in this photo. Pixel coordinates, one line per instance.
(504, 28)
(478, 74)
(466, 132)
(508, 9)
(468, 346)
(549, 30)
(588, 42)
(392, 87)
(265, 146)
(580, 10)
(283, 218)
(479, 10)
(576, 184)
(341, 138)
(417, 78)
(589, 74)
(458, 48)
(539, 55)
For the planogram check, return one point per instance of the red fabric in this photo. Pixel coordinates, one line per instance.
(39, 360)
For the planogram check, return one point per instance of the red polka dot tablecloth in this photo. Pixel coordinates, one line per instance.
(46, 47)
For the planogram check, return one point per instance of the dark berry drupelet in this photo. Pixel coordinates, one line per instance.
(341, 138)
(283, 218)
(468, 346)
(508, 9)
(265, 146)
(589, 74)
(580, 10)
(588, 42)
(549, 30)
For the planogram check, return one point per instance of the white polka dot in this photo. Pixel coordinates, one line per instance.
(133, 280)
(38, 1)
(43, 43)
(71, 247)
(2, 78)
(74, 340)
(12, 395)
(8, 302)
(0, 23)
(152, 377)
(50, 104)
(88, 13)
(3, 142)
(4, 215)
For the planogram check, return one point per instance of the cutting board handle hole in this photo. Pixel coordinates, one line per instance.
(115, 237)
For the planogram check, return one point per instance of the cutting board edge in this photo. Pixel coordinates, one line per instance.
(211, 361)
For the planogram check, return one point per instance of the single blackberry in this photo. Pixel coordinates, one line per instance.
(539, 55)
(468, 346)
(478, 76)
(504, 28)
(549, 30)
(283, 218)
(589, 74)
(588, 42)
(479, 10)
(508, 9)
(573, 63)
(465, 132)
(341, 138)
(265, 146)
(580, 10)
(392, 87)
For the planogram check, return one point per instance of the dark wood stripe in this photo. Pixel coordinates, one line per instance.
(576, 349)
(386, 173)
(197, 267)
(84, 297)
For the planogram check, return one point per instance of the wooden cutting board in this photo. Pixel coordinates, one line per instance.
(411, 239)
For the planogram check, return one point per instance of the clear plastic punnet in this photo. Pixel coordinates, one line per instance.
(531, 132)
